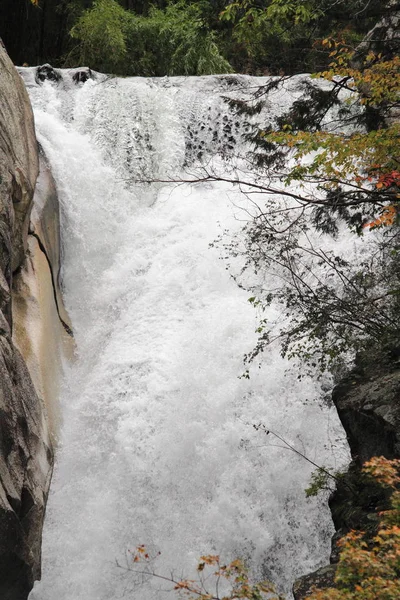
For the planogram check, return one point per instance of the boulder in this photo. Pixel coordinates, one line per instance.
(320, 579)
(82, 75)
(47, 72)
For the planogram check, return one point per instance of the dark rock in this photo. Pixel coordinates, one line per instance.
(368, 404)
(230, 80)
(355, 501)
(82, 75)
(323, 578)
(369, 409)
(334, 557)
(47, 72)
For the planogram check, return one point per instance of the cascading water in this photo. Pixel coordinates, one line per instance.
(156, 444)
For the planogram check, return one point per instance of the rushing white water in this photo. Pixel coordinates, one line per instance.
(157, 446)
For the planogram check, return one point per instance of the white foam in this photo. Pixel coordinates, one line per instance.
(157, 446)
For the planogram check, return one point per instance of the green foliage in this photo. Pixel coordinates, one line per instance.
(262, 32)
(102, 33)
(280, 35)
(172, 41)
(277, 14)
(321, 479)
(255, 37)
(344, 177)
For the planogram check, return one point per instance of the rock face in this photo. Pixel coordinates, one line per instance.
(383, 37)
(25, 454)
(47, 72)
(18, 166)
(41, 327)
(368, 404)
(320, 579)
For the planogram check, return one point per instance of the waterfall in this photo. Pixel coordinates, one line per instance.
(157, 445)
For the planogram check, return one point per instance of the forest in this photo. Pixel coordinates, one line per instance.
(182, 37)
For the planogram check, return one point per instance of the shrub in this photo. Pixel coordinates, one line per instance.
(102, 32)
(173, 41)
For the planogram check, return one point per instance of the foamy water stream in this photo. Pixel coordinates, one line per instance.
(156, 445)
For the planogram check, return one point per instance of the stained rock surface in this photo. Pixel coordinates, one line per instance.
(41, 327)
(26, 455)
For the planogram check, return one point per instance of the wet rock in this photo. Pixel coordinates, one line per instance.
(230, 80)
(82, 75)
(47, 72)
(323, 578)
(335, 550)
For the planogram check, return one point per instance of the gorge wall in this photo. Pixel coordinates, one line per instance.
(368, 405)
(30, 357)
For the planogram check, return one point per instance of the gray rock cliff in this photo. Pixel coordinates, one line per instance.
(26, 455)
